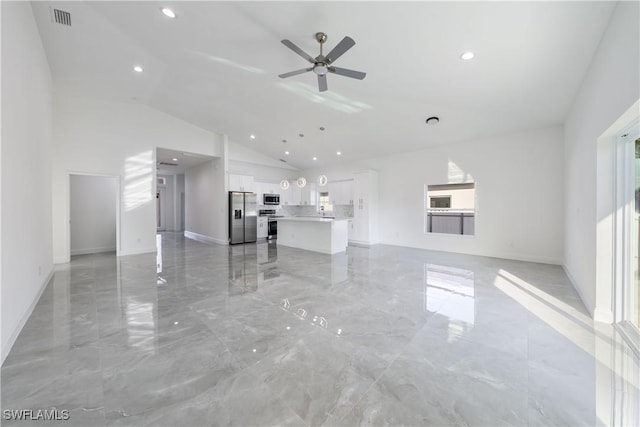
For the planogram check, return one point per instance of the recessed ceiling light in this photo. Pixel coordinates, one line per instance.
(284, 141)
(301, 135)
(168, 12)
(137, 69)
(175, 160)
(467, 56)
(315, 158)
(432, 121)
(286, 152)
(339, 153)
(321, 127)
(252, 136)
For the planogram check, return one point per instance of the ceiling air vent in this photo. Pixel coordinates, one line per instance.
(168, 164)
(283, 160)
(61, 17)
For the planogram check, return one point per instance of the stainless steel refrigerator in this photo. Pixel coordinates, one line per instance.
(242, 217)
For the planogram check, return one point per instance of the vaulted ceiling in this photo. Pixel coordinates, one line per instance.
(217, 63)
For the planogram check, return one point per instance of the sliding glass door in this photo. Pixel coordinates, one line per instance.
(627, 236)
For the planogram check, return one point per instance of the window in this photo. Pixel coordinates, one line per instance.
(450, 208)
(325, 205)
(440, 202)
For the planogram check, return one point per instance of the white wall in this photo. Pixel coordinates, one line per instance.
(245, 161)
(610, 88)
(114, 138)
(25, 171)
(519, 211)
(94, 200)
(206, 202)
(241, 153)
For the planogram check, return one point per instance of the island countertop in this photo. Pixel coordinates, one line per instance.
(310, 218)
(326, 235)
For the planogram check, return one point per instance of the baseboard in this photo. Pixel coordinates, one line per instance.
(204, 239)
(588, 305)
(151, 249)
(6, 347)
(92, 250)
(501, 255)
(524, 257)
(360, 243)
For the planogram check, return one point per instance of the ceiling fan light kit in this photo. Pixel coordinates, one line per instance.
(321, 63)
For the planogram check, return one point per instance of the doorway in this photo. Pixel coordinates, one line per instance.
(161, 208)
(93, 213)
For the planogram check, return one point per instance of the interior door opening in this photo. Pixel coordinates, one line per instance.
(161, 208)
(93, 214)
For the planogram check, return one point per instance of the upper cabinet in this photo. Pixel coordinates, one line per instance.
(241, 183)
(340, 192)
(295, 194)
(309, 195)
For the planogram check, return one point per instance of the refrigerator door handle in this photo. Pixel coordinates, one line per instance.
(238, 214)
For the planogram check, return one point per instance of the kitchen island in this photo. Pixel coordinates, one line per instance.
(326, 235)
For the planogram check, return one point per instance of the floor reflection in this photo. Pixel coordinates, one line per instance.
(450, 292)
(243, 269)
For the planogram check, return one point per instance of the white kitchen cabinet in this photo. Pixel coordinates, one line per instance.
(347, 192)
(309, 195)
(333, 188)
(263, 227)
(295, 194)
(258, 188)
(341, 192)
(364, 229)
(241, 183)
(285, 196)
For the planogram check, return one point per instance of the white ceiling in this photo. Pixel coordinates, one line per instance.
(217, 66)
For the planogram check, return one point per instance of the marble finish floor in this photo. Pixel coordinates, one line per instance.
(263, 335)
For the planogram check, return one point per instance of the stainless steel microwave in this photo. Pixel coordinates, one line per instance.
(271, 199)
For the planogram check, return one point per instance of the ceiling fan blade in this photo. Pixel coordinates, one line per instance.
(344, 45)
(322, 82)
(294, 73)
(296, 49)
(348, 73)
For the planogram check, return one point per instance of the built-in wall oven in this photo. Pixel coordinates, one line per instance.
(271, 199)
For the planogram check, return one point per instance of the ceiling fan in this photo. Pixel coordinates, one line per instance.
(322, 64)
